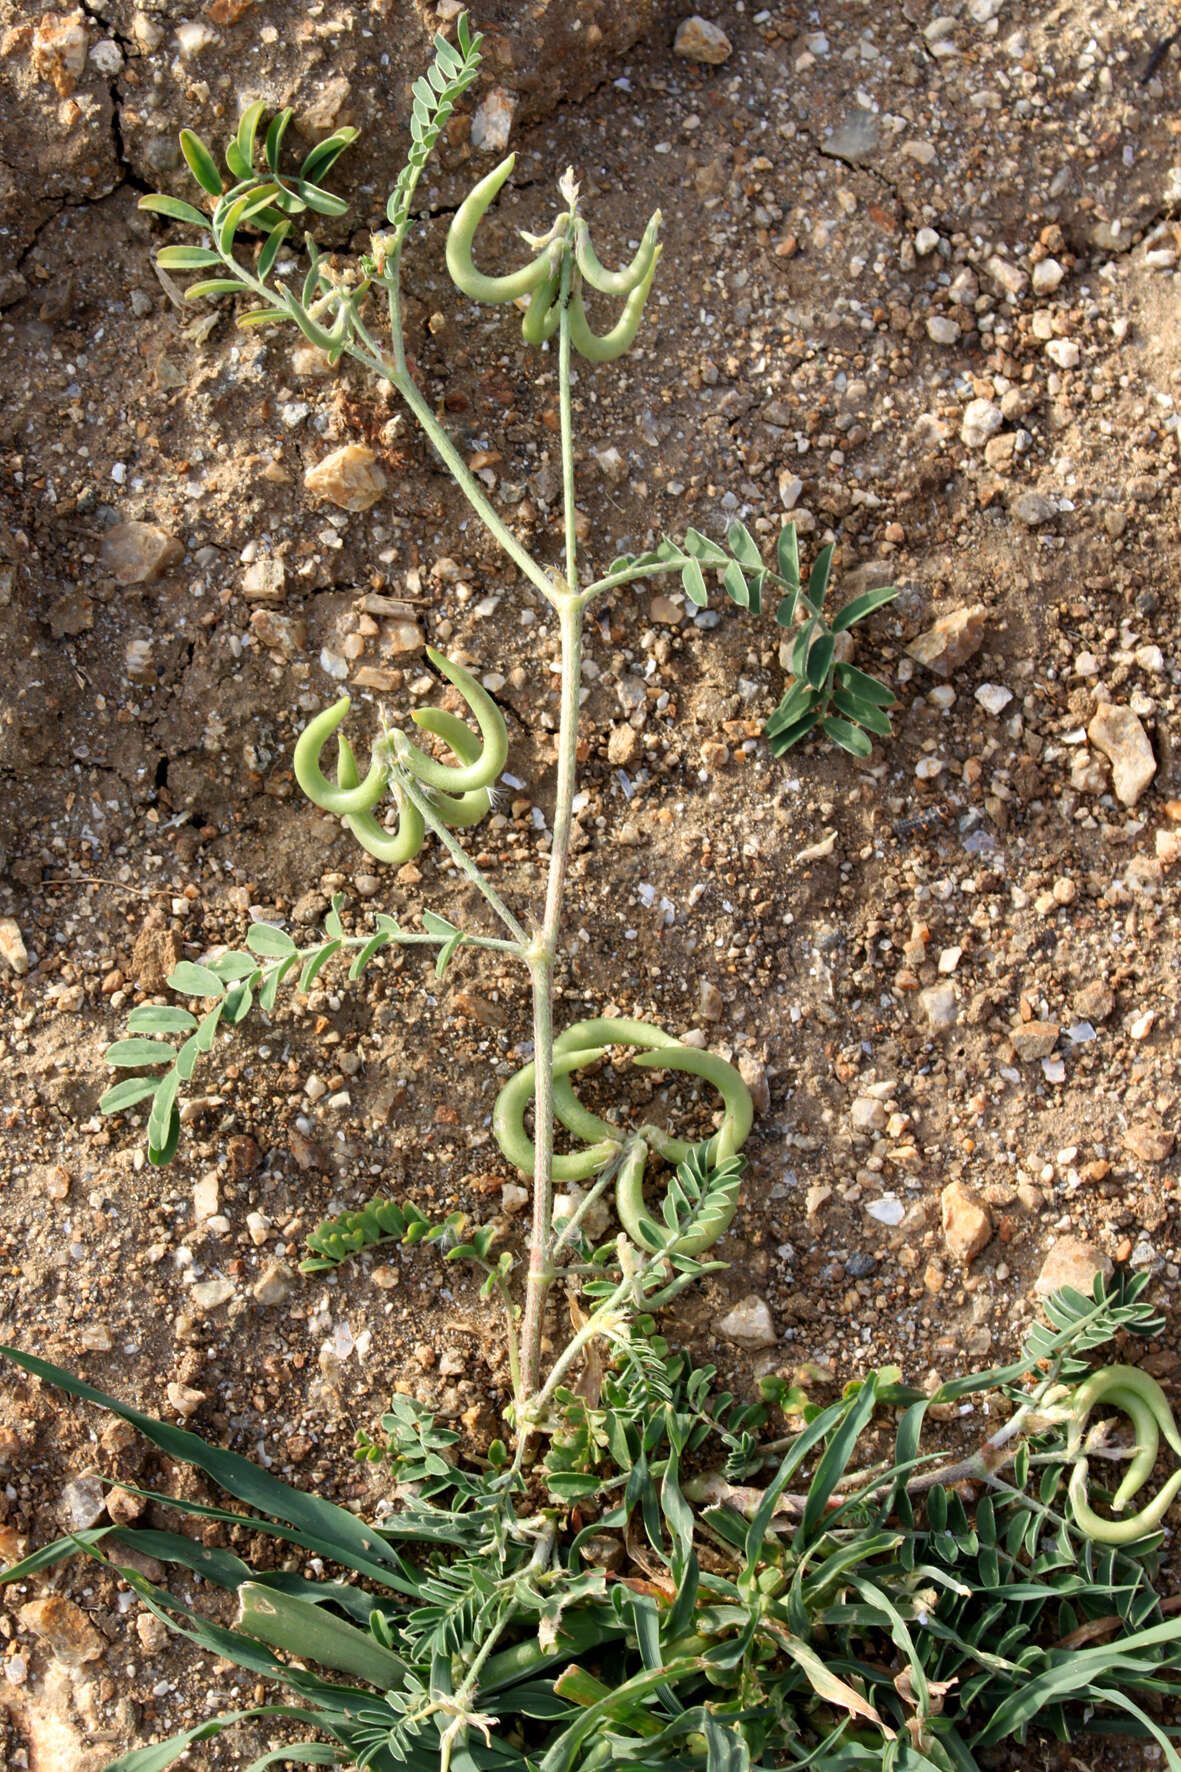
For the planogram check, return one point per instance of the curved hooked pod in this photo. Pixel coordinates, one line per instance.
(395, 847)
(489, 760)
(468, 808)
(579, 1045)
(508, 1121)
(460, 235)
(615, 282)
(319, 790)
(1128, 1531)
(1142, 1400)
(601, 348)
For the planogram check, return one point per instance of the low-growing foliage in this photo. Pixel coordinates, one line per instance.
(673, 1589)
(641, 1572)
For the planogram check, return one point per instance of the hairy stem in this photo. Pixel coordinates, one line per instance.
(397, 373)
(541, 966)
(462, 859)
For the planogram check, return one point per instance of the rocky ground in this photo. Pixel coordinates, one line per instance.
(919, 292)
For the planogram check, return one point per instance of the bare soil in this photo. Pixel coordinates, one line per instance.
(856, 205)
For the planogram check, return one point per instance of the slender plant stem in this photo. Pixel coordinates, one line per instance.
(463, 861)
(397, 373)
(541, 964)
(565, 420)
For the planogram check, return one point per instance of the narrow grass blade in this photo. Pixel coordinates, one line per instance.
(354, 1545)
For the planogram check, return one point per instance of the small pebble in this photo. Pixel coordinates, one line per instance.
(749, 1323)
(12, 947)
(941, 330)
(993, 697)
(698, 40)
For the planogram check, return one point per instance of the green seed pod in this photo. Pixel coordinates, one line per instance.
(615, 282)
(462, 271)
(1147, 1444)
(483, 771)
(1127, 1531)
(585, 1041)
(611, 1031)
(508, 1122)
(1110, 1379)
(545, 309)
(469, 808)
(315, 785)
(735, 1129)
(395, 847)
(602, 348)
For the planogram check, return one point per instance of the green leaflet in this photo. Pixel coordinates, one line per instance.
(125, 1053)
(158, 203)
(201, 163)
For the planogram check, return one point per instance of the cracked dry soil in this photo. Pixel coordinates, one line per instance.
(920, 289)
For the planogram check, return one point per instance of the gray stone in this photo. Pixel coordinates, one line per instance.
(492, 120)
(1033, 509)
(981, 419)
(939, 1006)
(275, 1284)
(942, 330)
(265, 580)
(856, 139)
(137, 553)
(868, 1115)
(84, 1501)
(207, 1295)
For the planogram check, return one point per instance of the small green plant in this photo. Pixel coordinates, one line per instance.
(618, 1581)
(684, 1592)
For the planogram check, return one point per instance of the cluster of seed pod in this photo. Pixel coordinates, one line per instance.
(1142, 1400)
(581, 1045)
(460, 794)
(541, 279)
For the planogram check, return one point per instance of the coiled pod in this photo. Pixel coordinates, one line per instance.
(611, 1031)
(508, 1122)
(395, 847)
(490, 759)
(736, 1099)
(577, 1046)
(319, 790)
